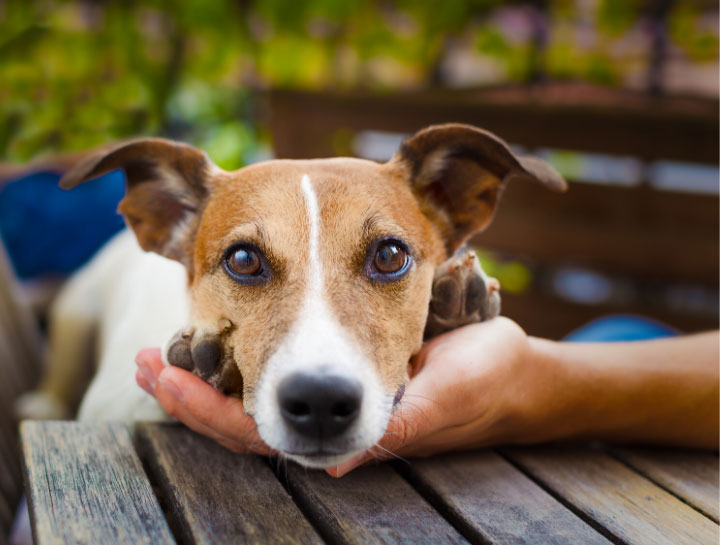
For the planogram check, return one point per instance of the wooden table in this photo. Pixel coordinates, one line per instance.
(155, 484)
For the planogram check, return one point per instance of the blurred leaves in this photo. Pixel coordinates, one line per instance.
(77, 74)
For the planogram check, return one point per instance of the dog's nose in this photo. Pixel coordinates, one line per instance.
(319, 407)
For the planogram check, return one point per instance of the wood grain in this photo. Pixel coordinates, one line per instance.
(605, 491)
(85, 484)
(370, 505)
(215, 496)
(690, 475)
(493, 502)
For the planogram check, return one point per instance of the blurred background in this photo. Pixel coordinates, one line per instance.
(620, 95)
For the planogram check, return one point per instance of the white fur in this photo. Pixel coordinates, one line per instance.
(434, 163)
(318, 344)
(129, 300)
(144, 306)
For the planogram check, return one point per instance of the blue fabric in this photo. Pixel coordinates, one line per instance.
(621, 328)
(47, 230)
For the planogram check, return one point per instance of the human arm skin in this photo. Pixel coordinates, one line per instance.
(662, 391)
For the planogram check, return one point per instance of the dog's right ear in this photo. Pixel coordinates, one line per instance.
(166, 185)
(459, 171)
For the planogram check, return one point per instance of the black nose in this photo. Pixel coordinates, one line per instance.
(320, 407)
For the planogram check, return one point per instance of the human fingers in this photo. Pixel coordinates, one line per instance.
(198, 405)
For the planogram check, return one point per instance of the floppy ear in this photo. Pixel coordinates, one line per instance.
(166, 186)
(459, 171)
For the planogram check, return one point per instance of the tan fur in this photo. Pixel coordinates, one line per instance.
(360, 201)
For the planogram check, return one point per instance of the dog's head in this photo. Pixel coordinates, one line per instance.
(318, 271)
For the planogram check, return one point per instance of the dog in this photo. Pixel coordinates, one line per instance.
(302, 286)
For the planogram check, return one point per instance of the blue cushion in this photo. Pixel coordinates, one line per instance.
(621, 328)
(48, 230)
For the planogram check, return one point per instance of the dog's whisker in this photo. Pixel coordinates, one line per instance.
(388, 451)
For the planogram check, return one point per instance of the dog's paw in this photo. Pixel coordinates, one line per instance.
(38, 405)
(461, 294)
(205, 353)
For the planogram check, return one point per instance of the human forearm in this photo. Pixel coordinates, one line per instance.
(662, 391)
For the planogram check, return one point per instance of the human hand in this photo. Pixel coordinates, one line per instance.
(471, 387)
(198, 405)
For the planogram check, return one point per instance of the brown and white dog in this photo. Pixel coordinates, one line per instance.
(306, 284)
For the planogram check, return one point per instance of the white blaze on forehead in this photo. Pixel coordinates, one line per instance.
(318, 344)
(316, 272)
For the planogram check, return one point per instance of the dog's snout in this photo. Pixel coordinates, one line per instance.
(319, 407)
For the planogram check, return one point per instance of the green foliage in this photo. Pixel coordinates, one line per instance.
(701, 44)
(77, 74)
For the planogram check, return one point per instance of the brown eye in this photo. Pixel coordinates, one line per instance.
(244, 262)
(390, 258)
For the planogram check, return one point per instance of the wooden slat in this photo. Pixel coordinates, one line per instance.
(370, 505)
(6, 519)
(20, 323)
(493, 502)
(85, 484)
(11, 472)
(629, 231)
(563, 116)
(19, 369)
(216, 496)
(551, 317)
(690, 475)
(615, 497)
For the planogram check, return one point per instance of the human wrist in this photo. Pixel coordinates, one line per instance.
(560, 402)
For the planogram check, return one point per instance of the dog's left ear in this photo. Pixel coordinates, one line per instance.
(167, 185)
(459, 171)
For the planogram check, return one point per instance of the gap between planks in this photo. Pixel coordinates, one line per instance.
(624, 502)
(489, 500)
(673, 470)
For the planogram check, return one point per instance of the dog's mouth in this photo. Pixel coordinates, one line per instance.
(321, 459)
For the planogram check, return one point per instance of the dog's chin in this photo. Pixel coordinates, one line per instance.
(322, 461)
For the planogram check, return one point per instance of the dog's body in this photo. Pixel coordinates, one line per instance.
(302, 286)
(121, 301)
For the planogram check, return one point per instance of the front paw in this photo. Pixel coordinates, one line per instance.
(207, 354)
(461, 294)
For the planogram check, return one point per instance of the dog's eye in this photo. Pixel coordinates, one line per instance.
(389, 261)
(244, 261)
(390, 258)
(245, 264)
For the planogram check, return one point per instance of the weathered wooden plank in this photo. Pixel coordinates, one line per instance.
(6, 518)
(20, 327)
(370, 505)
(690, 475)
(85, 484)
(615, 497)
(216, 496)
(494, 502)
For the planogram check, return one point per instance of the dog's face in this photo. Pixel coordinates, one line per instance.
(313, 278)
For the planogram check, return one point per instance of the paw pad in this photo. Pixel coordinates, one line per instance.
(207, 354)
(461, 294)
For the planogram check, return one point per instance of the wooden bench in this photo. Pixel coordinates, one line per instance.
(107, 483)
(20, 349)
(657, 248)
